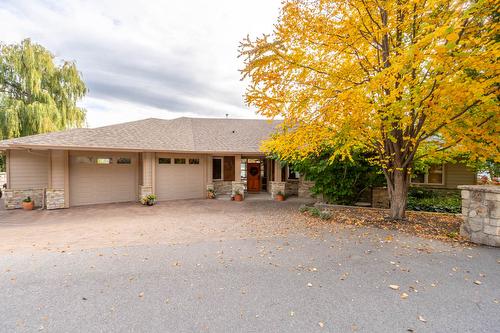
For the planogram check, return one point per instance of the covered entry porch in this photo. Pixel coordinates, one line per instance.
(254, 176)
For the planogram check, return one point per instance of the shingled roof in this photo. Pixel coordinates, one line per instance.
(177, 135)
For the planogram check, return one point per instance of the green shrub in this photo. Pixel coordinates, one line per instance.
(428, 200)
(339, 181)
(303, 208)
(314, 211)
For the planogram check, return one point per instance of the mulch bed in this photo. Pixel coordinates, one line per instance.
(440, 226)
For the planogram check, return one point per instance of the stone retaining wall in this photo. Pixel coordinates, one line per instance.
(481, 214)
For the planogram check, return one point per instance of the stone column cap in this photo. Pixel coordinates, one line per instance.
(480, 188)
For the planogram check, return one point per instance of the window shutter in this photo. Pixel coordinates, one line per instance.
(229, 168)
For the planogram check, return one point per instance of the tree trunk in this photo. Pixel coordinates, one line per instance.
(398, 194)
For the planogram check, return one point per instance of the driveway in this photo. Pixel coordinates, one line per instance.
(221, 266)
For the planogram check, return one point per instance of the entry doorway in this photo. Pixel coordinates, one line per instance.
(253, 177)
(254, 173)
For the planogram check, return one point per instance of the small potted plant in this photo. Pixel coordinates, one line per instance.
(238, 196)
(28, 204)
(280, 196)
(149, 200)
(211, 193)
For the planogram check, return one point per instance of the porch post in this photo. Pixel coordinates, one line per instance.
(237, 168)
(277, 171)
(210, 181)
(237, 186)
(147, 185)
(278, 185)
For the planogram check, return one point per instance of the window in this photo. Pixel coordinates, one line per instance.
(217, 168)
(124, 160)
(179, 161)
(243, 170)
(194, 161)
(104, 160)
(164, 160)
(292, 174)
(84, 160)
(434, 175)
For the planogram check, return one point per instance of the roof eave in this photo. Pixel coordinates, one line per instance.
(125, 149)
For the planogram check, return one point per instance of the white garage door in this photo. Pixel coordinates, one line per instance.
(97, 178)
(179, 177)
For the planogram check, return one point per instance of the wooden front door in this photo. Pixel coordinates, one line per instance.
(253, 177)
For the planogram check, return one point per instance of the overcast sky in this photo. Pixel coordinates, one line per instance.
(143, 59)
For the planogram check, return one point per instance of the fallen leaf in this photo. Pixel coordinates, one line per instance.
(404, 296)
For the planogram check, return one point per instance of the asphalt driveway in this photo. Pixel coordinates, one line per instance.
(221, 266)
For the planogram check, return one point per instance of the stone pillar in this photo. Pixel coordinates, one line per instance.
(238, 187)
(276, 187)
(54, 199)
(237, 168)
(145, 190)
(481, 214)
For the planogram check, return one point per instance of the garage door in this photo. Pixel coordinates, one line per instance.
(97, 178)
(179, 177)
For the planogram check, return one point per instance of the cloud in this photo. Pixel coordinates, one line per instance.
(154, 58)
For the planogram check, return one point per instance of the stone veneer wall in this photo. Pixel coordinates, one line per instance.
(292, 187)
(380, 197)
(145, 190)
(304, 190)
(238, 186)
(14, 198)
(275, 187)
(54, 198)
(223, 187)
(481, 214)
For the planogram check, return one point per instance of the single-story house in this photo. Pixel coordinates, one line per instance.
(174, 159)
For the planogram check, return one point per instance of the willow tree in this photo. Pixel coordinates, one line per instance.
(37, 93)
(401, 79)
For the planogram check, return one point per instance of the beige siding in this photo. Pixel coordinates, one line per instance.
(459, 174)
(96, 184)
(57, 163)
(180, 181)
(28, 169)
(147, 169)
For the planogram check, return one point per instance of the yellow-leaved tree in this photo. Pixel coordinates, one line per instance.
(401, 79)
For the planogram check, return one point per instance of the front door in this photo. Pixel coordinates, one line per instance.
(253, 177)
